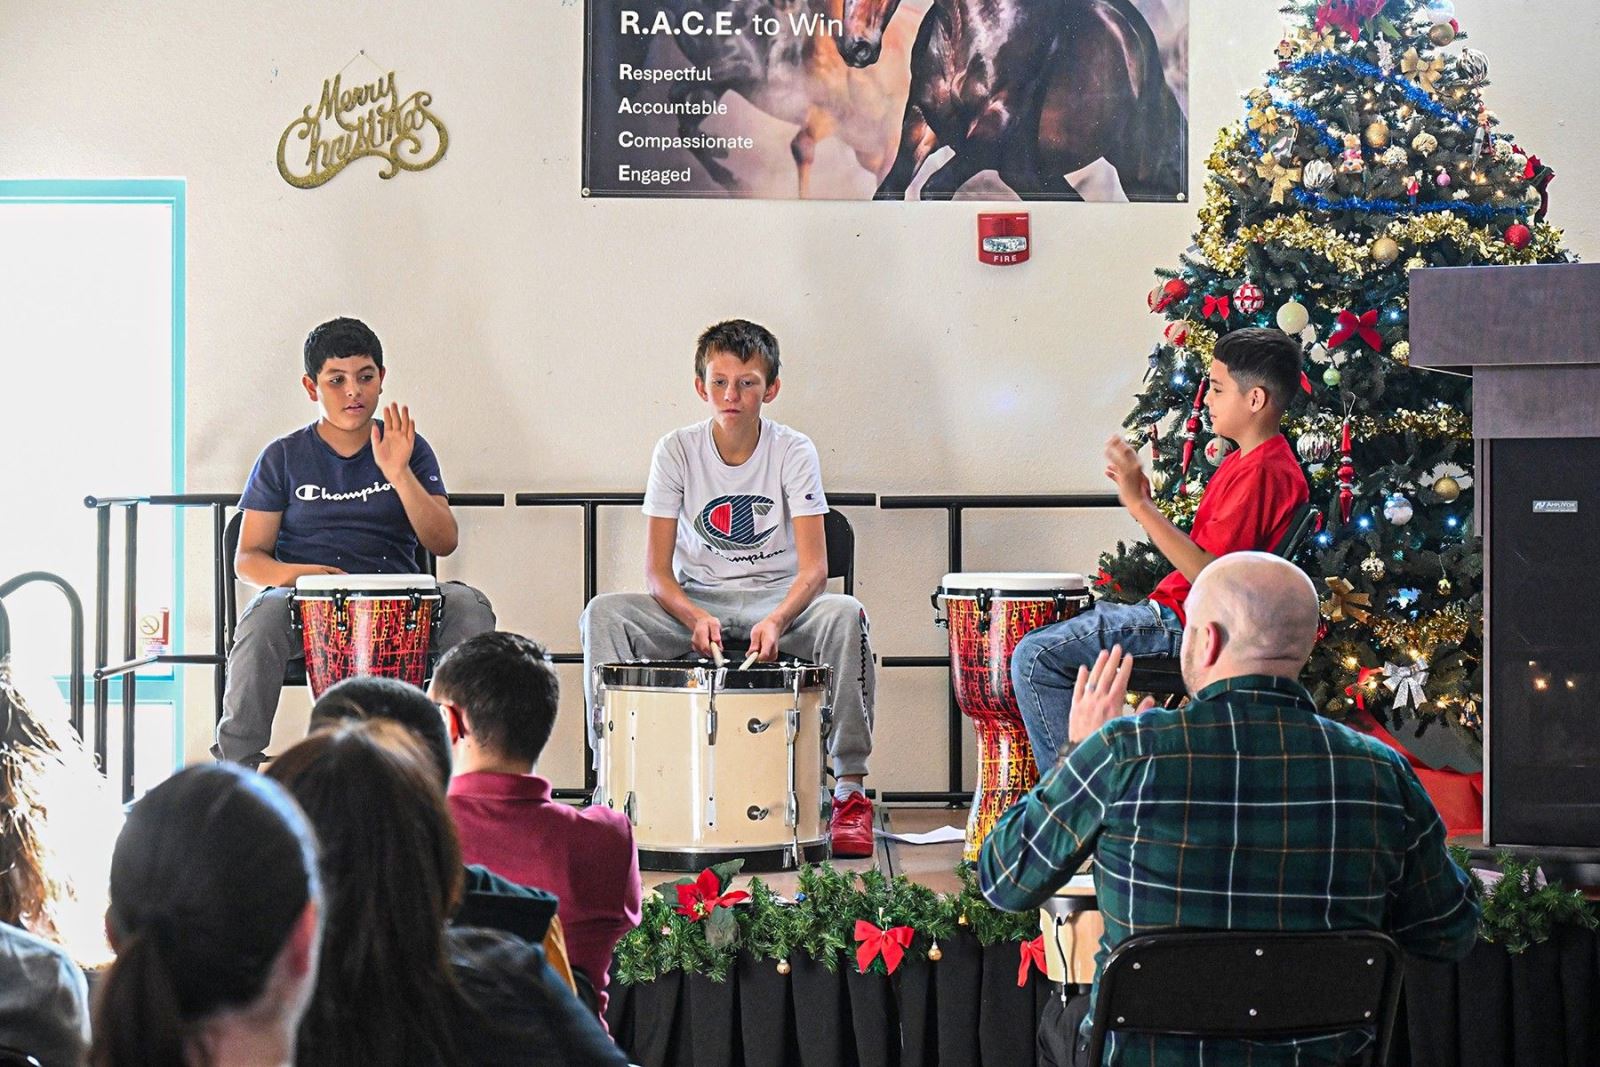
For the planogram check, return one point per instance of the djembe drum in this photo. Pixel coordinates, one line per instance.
(987, 615)
(354, 624)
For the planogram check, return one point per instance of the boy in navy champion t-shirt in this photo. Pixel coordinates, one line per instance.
(349, 494)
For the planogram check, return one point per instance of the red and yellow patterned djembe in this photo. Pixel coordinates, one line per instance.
(353, 624)
(987, 615)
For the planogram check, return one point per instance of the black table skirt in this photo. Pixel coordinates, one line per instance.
(1537, 1009)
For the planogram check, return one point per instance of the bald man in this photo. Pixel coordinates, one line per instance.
(1242, 810)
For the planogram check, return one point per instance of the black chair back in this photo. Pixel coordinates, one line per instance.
(1305, 521)
(841, 548)
(1243, 984)
(15, 1057)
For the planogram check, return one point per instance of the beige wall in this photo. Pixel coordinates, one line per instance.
(544, 340)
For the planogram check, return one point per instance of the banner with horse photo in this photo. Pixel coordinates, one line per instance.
(887, 99)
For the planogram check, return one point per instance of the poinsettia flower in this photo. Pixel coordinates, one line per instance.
(704, 895)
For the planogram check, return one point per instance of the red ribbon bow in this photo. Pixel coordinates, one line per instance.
(1032, 955)
(891, 944)
(699, 900)
(1351, 325)
(1347, 14)
(1217, 304)
(1305, 382)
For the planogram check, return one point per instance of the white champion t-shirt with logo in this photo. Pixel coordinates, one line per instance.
(735, 524)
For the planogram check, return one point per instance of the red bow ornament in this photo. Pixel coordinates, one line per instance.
(699, 900)
(1220, 305)
(1032, 956)
(1364, 326)
(891, 944)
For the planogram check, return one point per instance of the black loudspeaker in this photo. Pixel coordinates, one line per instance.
(1540, 502)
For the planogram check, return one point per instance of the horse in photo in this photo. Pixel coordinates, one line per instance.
(1033, 89)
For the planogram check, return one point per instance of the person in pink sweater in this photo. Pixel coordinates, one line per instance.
(499, 694)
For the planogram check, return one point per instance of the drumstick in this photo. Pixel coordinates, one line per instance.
(751, 658)
(716, 655)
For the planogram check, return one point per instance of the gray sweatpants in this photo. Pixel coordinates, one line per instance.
(263, 645)
(833, 630)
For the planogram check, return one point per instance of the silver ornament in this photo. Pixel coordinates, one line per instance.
(1397, 509)
(1473, 65)
(1317, 175)
(1315, 446)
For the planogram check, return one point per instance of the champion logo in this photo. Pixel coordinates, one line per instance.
(310, 492)
(729, 522)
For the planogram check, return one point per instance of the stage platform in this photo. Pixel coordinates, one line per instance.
(931, 865)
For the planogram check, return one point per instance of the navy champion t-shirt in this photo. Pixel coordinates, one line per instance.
(338, 511)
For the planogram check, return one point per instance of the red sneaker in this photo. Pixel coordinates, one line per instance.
(850, 827)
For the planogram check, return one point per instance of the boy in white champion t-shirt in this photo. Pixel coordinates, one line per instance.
(736, 546)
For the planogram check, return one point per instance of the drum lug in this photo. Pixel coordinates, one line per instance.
(983, 611)
(630, 808)
(341, 614)
(792, 815)
(711, 726)
(711, 811)
(938, 620)
(792, 719)
(755, 813)
(413, 616)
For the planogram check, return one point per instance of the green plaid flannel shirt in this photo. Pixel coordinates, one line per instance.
(1244, 810)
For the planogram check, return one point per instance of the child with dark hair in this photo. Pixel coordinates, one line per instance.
(214, 912)
(349, 494)
(399, 985)
(486, 898)
(499, 694)
(1248, 505)
(736, 544)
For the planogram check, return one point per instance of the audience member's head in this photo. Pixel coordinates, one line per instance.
(499, 692)
(393, 873)
(57, 824)
(1248, 613)
(369, 697)
(214, 916)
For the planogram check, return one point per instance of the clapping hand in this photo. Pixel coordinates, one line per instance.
(1101, 694)
(393, 443)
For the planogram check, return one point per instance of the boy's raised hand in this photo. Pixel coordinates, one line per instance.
(391, 447)
(1123, 468)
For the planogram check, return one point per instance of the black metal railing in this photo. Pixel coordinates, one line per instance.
(591, 503)
(955, 507)
(74, 633)
(221, 576)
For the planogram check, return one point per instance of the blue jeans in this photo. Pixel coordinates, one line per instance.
(1044, 667)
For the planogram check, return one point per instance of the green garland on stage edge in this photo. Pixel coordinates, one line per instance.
(1519, 910)
(820, 922)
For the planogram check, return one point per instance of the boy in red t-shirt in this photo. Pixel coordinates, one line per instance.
(1247, 506)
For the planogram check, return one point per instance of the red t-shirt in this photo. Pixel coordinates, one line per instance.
(585, 856)
(1246, 508)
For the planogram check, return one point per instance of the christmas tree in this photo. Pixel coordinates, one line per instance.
(1368, 152)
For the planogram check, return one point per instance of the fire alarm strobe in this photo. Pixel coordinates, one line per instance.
(1003, 238)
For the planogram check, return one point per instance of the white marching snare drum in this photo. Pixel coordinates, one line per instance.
(713, 763)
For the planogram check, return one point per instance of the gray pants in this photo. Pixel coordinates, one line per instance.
(263, 645)
(833, 630)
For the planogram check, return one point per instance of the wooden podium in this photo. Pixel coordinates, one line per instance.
(1530, 338)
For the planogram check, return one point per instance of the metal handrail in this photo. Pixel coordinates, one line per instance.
(75, 633)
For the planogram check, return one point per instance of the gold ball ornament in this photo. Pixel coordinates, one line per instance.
(961, 920)
(1447, 489)
(1293, 317)
(936, 953)
(1377, 134)
(1425, 144)
(1401, 353)
(1385, 250)
(783, 967)
(1445, 588)
(1442, 34)
(1372, 567)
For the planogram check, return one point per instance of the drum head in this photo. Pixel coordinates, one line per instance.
(703, 674)
(360, 584)
(1025, 585)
